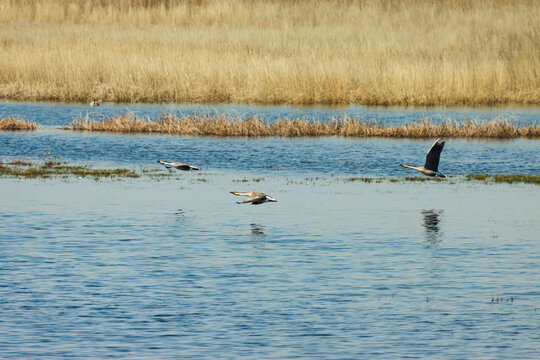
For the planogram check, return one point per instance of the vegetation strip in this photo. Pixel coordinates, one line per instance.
(26, 169)
(51, 168)
(12, 123)
(227, 126)
(502, 178)
(415, 52)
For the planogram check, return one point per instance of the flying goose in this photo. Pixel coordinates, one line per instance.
(178, 165)
(255, 198)
(431, 167)
(95, 102)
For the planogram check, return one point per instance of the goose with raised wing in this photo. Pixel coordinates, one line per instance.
(178, 165)
(255, 198)
(431, 167)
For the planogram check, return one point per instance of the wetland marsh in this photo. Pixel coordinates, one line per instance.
(108, 254)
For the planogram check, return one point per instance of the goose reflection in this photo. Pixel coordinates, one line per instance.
(431, 225)
(258, 235)
(257, 229)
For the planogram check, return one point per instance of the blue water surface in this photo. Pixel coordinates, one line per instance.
(288, 157)
(176, 269)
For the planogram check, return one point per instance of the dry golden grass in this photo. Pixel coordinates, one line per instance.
(11, 123)
(225, 126)
(414, 52)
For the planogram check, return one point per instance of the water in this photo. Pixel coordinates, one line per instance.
(136, 269)
(176, 269)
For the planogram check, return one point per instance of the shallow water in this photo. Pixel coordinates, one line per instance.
(176, 269)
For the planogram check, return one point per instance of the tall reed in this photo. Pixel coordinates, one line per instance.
(226, 126)
(12, 123)
(414, 52)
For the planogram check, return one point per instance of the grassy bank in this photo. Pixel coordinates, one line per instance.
(225, 126)
(12, 123)
(414, 52)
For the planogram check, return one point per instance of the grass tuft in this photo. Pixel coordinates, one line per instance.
(15, 123)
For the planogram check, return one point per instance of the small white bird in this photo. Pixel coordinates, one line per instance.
(431, 167)
(95, 102)
(255, 198)
(178, 165)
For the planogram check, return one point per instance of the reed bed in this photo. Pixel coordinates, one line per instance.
(230, 126)
(12, 123)
(414, 52)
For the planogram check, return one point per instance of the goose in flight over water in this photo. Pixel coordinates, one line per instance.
(431, 167)
(95, 102)
(255, 198)
(178, 165)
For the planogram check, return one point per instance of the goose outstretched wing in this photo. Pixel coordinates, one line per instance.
(434, 154)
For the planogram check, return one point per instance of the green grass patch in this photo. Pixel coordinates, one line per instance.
(503, 178)
(26, 169)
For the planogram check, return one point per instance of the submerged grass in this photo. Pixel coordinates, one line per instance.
(226, 126)
(503, 178)
(51, 168)
(415, 52)
(13, 123)
(26, 169)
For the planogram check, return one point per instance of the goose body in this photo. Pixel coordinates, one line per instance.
(95, 103)
(178, 165)
(255, 198)
(431, 167)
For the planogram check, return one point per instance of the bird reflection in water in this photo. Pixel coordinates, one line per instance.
(431, 225)
(257, 235)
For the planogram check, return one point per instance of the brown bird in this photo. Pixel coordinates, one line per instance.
(431, 167)
(178, 165)
(95, 102)
(255, 198)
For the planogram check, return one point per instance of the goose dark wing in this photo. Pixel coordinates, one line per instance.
(256, 198)
(182, 166)
(433, 155)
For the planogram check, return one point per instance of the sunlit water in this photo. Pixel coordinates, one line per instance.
(176, 269)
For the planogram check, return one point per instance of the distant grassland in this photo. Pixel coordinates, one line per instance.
(227, 126)
(412, 52)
